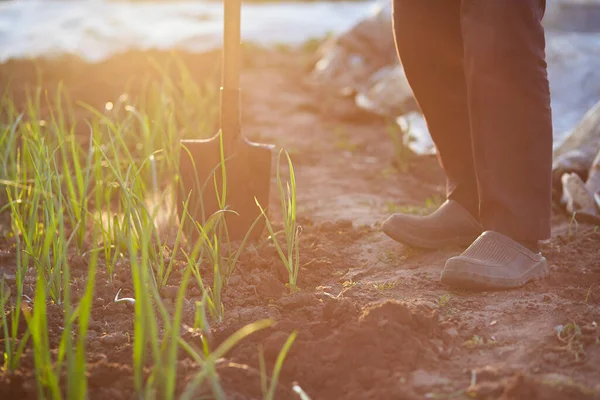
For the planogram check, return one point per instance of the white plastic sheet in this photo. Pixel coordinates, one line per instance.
(97, 29)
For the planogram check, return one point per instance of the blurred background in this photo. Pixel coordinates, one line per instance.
(358, 57)
(95, 29)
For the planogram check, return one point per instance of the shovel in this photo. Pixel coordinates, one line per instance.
(246, 170)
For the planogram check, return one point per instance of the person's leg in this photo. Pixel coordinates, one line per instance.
(430, 47)
(509, 106)
(511, 131)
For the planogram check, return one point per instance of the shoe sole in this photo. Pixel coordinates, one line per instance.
(475, 281)
(456, 241)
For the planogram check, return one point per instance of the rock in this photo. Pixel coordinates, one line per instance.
(579, 149)
(387, 92)
(348, 59)
(573, 16)
(364, 58)
(416, 133)
(580, 201)
(593, 181)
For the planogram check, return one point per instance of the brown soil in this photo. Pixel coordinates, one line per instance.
(373, 320)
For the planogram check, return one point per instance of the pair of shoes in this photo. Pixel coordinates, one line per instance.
(449, 225)
(492, 261)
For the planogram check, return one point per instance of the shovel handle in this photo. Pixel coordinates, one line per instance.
(230, 70)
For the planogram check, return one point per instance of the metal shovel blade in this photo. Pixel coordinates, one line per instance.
(247, 175)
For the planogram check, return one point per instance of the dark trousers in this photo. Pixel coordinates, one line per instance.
(478, 72)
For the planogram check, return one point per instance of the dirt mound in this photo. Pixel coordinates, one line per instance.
(346, 354)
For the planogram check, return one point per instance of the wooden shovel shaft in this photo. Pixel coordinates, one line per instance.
(230, 78)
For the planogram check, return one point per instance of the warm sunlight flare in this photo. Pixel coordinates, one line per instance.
(306, 199)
